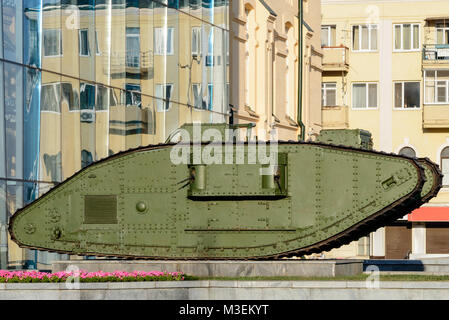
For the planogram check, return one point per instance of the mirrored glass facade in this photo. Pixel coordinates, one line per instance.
(84, 79)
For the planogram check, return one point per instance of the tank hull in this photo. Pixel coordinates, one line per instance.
(140, 204)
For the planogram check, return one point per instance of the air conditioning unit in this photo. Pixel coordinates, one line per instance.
(87, 116)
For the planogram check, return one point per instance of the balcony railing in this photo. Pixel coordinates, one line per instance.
(335, 117)
(436, 54)
(336, 58)
(436, 117)
(130, 61)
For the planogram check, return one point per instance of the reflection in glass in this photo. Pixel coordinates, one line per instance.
(12, 30)
(13, 82)
(31, 123)
(119, 74)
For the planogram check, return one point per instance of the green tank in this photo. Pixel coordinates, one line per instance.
(227, 200)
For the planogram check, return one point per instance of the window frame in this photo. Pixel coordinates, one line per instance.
(411, 38)
(403, 95)
(435, 100)
(329, 35)
(324, 90)
(88, 43)
(367, 96)
(130, 59)
(370, 27)
(164, 99)
(441, 165)
(401, 153)
(56, 94)
(200, 96)
(198, 50)
(165, 39)
(61, 51)
(444, 29)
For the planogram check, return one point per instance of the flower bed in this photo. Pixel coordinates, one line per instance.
(83, 276)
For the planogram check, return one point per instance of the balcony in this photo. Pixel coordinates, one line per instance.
(436, 56)
(336, 59)
(436, 117)
(130, 62)
(335, 117)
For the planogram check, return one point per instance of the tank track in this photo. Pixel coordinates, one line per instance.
(361, 229)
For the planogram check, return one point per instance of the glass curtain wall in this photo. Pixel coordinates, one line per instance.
(81, 80)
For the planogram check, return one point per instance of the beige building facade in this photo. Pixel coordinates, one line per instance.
(265, 64)
(386, 70)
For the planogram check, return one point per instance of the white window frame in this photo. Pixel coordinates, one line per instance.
(403, 95)
(444, 28)
(324, 89)
(329, 35)
(199, 87)
(88, 42)
(163, 99)
(55, 88)
(367, 96)
(435, 98)
(370, 27)
(61, 51)
(412, 25)
(196, 50)
(165, 31)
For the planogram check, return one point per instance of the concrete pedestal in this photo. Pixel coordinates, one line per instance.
(284, 268)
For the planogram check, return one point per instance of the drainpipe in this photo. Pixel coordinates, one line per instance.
(300, 80)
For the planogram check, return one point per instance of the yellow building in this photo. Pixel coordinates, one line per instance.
(265, 64)
(386, 70)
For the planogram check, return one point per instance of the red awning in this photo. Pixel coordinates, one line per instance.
(430, 214)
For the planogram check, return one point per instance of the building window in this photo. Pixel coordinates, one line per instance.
(87, 96)
(97, 44)
(52, 43)
(364, 95)
(133, 96)
(445, 166)
(50, 94)
(407, 95)
(406, 37)
(196, 41)
(442, 33)
(163, 95)
(210, 58)
(436, 86)
(69, 97)
(328, 35)
(163, 41)
(408, 152)
(133, 47)
(210, 96)
(198, 96)
(86, 158)
(329, 94)
(364, 37)
(84, 42)
(105, 98)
